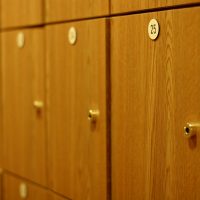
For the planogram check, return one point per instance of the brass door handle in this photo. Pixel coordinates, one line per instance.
(93, 115)
(191, 129)
(38, 105)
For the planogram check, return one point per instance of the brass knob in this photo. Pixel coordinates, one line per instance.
(191, 129)
(38, 105)
(93, 115)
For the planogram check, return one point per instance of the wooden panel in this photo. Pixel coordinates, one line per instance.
(11, 190)
(130, 131)
(23, 125)
(77, 83)
(156, 86)
(1, 184)
(52, 196)
(1, 113)
(21, 12)
(119, 6)
(60, 10)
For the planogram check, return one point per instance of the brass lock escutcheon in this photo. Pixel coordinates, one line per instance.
(38, 105)
(93, 115)
(191, 129)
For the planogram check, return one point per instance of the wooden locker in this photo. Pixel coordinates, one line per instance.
(15, 13)
(23, 70)
(16, 188)
(77, 151)
(155, 92)
(121, 6)
(61, 10)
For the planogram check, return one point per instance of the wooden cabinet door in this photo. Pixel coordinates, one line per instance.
(77, 159)
(120, 6)
(17, 189)
(61, 10)
(155, 92)
(23, 95)
(21, 13)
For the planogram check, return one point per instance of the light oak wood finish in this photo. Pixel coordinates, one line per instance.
(76, 83)
(15, 13)
(155, 91)
(1, 116)
(11, 188)
(120, 6)
(24, 139)
(61, 10)
(1, 184)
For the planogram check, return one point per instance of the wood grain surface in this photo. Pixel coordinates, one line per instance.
(120, 6)
(76, 83)
(61, 10)
(11, 190)
(155, 92)
(24, 139)
(15, 13)
(1, 184)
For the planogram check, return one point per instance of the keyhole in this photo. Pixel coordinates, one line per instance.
(187, 130)
(89, 116)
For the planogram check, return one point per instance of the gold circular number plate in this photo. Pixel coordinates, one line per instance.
(72, 35)
(153, 29)
(20, 39)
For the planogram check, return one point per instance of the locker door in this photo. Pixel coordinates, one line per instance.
(21, 12)
(17, 189)
(76, 62)
(23, 99)
(155, 92)
(75, 9)
(119, 6)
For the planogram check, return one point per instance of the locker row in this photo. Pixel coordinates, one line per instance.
(100, 105)
(20, 13)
